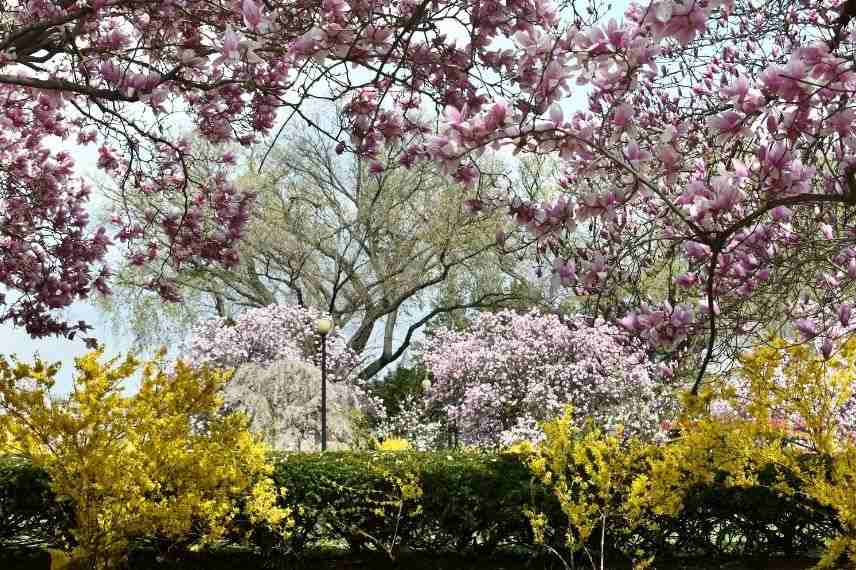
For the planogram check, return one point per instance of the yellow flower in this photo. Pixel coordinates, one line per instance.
(135, 464)
(520, 448)
(394, 444)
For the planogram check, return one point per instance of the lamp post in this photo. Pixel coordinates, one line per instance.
(323, 328)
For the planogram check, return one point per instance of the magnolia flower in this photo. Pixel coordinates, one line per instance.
(806, 327)
(843, 313)
(230, 50)
(252, 14)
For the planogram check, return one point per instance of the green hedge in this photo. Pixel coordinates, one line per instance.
(469, 503)
(29, 511)
(748, 522)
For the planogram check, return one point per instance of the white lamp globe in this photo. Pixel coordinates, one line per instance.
(323, 326)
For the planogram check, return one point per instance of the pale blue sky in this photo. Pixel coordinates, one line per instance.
(16, 341)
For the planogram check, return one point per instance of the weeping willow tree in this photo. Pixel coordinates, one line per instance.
(385, 249)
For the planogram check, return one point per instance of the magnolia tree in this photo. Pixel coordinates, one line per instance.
(714, 151)
(508, 371)
(282, 401)
(270, 334)
(277, 356)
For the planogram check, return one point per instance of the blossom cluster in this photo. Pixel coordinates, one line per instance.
(48, 255)
(271, 334)
(282, 401)
(718, 136)
(508, 371)
(277, 356)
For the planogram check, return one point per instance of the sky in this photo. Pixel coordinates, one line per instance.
(16, 342)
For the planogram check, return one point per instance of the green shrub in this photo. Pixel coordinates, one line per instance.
(29, 511)
(477, 502)
(464, 502)
(395, 388)
(474, 502)
(340, 496)
(718, 520)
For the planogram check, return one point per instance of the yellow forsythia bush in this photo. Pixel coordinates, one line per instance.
(782, 409)
(394, 444)
(156, 462)
(593, 475)
(799, 392)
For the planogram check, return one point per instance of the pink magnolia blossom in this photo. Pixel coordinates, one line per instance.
(507, 371)
(252, 14)
(843, 313)
(231, 45)
(806, 327)
(717, 136)
(267, 335)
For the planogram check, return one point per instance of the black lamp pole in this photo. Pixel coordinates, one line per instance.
(323, 327)
(323, 391)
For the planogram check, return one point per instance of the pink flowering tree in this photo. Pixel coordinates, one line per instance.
(270, 334)
(276, 354)
(508, 371)
(714, 151)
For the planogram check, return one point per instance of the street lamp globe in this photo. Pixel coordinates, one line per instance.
(426, 384)
(323, 326)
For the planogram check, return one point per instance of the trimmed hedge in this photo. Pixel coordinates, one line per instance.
(468, 502)
(758, 522)
(461, 502)
(29, 511)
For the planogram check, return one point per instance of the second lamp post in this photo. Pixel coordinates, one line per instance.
(323, 328)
